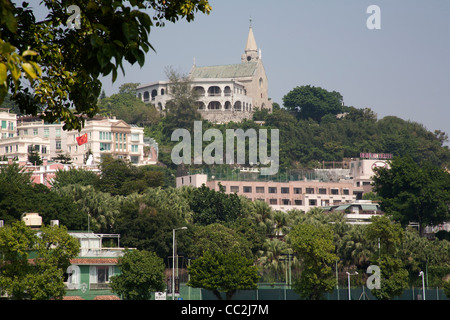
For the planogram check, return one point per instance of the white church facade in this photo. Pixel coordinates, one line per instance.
(225, 92)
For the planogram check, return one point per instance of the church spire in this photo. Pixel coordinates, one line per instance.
(251, 49)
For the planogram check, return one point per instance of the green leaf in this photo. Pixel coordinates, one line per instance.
(28, 68)
(3, 73)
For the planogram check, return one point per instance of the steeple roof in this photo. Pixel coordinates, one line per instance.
(251, 42)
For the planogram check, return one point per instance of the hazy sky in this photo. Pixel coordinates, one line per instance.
(402, 69)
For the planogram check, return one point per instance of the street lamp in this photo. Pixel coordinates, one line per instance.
(421, 274)
(173, 260)
(348, 275)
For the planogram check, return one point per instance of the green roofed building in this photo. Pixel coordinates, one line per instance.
(226, 92)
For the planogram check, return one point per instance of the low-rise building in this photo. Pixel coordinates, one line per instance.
(302, 195)
(357, 212)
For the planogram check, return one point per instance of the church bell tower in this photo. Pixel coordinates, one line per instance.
(251, 49)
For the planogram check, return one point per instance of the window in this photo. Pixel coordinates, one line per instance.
(3, 124)
(135, 137)
(346, 191)
(105, 146)
(312, 202)
(58, 132)
(259, 189)
(272, 189)
(272, 201)
(105, 135)
(298, 202)
(297, 190)
(46, 133)
(134, 148)
(322, 191)
(284, 190)
(234, 188)
(58, 144)
(35, 132)
(286, 202)
(247, 189)
(11, 126)
(335, 191)
(99, 276)
(134, 159)
(310, 190)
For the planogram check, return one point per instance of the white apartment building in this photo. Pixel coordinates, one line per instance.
(13, 146)
(8, 123)
(110, 136)
(104, 136)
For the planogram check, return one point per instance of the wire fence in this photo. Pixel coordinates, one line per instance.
(280, 291)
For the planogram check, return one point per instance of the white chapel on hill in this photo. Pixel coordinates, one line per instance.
(225, 92)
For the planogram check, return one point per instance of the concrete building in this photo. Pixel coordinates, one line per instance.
(357, 212)
(226, 92)
(113, 137)
(283, 196)
(104, 136)
(8, 123)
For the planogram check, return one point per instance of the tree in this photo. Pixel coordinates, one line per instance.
(413, 193)
(74, 176)
(120, 177)
(63, 64)
(314, 245)
(313, 102)
(42, 276)
(181, 109)
(146, 225)
(215, 237)
(127, 107)
(210, 206)
(394, 276)
(142, 273)
(223, 272)
(34, 157)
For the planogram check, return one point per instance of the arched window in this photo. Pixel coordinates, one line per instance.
(227, 91)
(200, 91)
(238, 106)
(214, 91)
(200, 105)
(227, 105)
(162, 91)
(214, 105)
(146, 96)
(260, 82)
(154, 94)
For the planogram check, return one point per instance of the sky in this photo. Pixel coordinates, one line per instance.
(402, 69)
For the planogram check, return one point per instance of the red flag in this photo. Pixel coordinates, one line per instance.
(82, 139)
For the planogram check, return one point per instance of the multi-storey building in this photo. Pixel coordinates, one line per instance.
(284, 196)
(225, 92)
(104, 136)
(8, 123)
(114, 137)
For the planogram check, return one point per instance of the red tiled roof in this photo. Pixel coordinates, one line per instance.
(93, 261)
(72, 298)
(106, 298)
